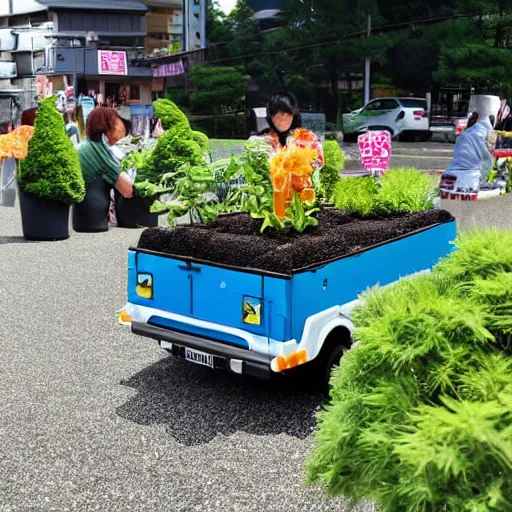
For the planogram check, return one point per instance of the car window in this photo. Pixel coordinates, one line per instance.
(374, 105)
(413, 103)
(381, 105)
(388, 105)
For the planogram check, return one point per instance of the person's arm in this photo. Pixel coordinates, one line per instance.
(124, 185)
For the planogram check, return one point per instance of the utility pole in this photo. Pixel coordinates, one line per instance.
(367, 66)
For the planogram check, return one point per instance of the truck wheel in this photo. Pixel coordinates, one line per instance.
(333, 360)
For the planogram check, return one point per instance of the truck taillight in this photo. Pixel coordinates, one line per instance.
(144, 286)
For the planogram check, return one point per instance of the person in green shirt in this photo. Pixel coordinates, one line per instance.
(101, 170)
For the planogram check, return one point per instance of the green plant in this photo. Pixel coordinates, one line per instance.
(357, 196)
(172, 152)
(405, 191)
(202, 140)
(217, 89)
(172, 117)
(421, 412)
(52, 168)
(330, 172)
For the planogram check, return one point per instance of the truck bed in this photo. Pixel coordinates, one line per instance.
(234, 241)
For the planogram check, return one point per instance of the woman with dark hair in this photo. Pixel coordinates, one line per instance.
(283, 116)
(101, 169)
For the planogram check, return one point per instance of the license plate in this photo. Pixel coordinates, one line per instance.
(198, 357)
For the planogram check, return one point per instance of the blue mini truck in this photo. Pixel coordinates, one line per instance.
(261, 323)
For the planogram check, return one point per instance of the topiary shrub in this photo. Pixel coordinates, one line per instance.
(170, 153)
(421, 408)
(172, 117)
(330, 173)
(202, 140)
(52, 168)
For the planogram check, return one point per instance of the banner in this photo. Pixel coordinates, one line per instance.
(171, 69)
(112, 63)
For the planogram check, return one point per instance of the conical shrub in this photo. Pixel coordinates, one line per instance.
(52, 168)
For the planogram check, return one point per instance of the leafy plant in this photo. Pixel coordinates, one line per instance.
(357, 196)
(172, 151)
(301, 218)
(52, 168)
(399, 191)
(172, 117)
(330, 173)
(421, 412)
(405, 191)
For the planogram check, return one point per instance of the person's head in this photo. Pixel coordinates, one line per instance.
(105, 121)
(283, 112)
(473, 119)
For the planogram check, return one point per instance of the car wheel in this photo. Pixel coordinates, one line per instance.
(331, 362)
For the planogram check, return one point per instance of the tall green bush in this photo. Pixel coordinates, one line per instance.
(330, 173)
(172, 117)
(52, 168)
(420, 418)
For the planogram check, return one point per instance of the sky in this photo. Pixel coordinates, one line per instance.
(227, 5)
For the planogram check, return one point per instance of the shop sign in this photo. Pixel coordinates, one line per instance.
(112, 63)
(171, 69)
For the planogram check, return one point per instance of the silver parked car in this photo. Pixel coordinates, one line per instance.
(402, 117)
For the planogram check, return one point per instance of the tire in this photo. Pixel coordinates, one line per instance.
(332, 360)
(381, 129)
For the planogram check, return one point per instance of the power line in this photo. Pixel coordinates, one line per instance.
(333, 41)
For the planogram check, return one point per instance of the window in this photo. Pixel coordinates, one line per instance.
(414, 103)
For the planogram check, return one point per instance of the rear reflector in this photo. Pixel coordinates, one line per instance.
(280, 364)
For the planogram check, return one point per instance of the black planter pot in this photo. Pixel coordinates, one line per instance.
(91, 215)
(43, 219)
(134, 212)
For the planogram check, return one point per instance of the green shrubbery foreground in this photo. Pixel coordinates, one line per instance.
(421, 408)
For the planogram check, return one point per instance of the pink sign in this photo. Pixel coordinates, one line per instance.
(171, 69)
(112, 63)
(375, 151)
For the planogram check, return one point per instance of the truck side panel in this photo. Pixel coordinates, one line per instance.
(277, 311)
(341, 282)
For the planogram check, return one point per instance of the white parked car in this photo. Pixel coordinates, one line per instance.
(402, 117)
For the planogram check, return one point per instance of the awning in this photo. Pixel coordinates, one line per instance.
(104, 5)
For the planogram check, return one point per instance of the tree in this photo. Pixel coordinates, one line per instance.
(217, 89)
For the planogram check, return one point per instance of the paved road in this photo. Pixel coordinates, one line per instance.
(424, 156)
(93, 418)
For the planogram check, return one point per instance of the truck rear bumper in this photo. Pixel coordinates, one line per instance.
(225, 357)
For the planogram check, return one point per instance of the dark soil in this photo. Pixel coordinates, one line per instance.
(235, 239)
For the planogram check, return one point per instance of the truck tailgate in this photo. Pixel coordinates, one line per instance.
(200, 291)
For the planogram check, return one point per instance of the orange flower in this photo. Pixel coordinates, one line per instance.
(15, 144)
(304, 135)
(307, 195)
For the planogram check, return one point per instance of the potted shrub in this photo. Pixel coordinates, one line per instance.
(49, 179)
(158, 170)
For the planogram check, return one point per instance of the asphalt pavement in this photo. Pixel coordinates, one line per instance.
(94, 418)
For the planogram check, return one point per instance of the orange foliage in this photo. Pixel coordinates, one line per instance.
(15, 144)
